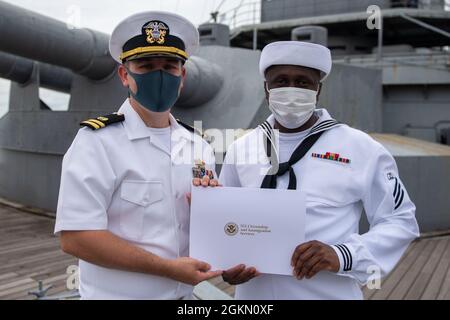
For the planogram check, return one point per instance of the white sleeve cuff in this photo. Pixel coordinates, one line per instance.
(345, 255)
(64, 226)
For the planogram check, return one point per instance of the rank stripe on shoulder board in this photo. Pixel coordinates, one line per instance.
(94, 123)
(103, 121)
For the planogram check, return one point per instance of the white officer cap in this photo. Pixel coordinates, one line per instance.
(153, 33)
(296, 53)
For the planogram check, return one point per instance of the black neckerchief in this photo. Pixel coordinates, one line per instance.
(279, 169)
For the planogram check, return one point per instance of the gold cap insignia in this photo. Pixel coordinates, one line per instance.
(156, 31)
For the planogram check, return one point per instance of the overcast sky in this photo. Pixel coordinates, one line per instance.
(104, 15)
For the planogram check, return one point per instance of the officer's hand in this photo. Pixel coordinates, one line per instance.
(239, 274)
(205, 182)
(312, 257)
(190, 271)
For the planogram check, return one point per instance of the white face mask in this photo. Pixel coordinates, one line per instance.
(292, 107)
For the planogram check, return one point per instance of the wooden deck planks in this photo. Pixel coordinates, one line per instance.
(436, 283)
(29, 252)
(424, 276)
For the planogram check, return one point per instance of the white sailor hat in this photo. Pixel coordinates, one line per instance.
(153, 33)
(297, 53)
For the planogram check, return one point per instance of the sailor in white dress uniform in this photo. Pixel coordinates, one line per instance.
(342, 171)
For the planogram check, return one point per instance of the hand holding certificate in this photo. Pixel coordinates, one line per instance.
(256, 227)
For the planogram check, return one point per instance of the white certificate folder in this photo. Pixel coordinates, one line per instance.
(256, 227)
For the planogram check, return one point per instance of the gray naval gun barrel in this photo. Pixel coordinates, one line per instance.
(20, 70)
(85, 52)
(37, 37)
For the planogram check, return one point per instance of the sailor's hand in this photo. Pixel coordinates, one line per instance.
(311, 257)
(190, 271)
(205, 182)
(239, 274)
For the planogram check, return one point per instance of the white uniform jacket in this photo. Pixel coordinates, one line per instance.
(337, 191)
(123, 179)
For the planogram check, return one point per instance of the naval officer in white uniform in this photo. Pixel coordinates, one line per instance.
(122, 208)
(342, 171)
